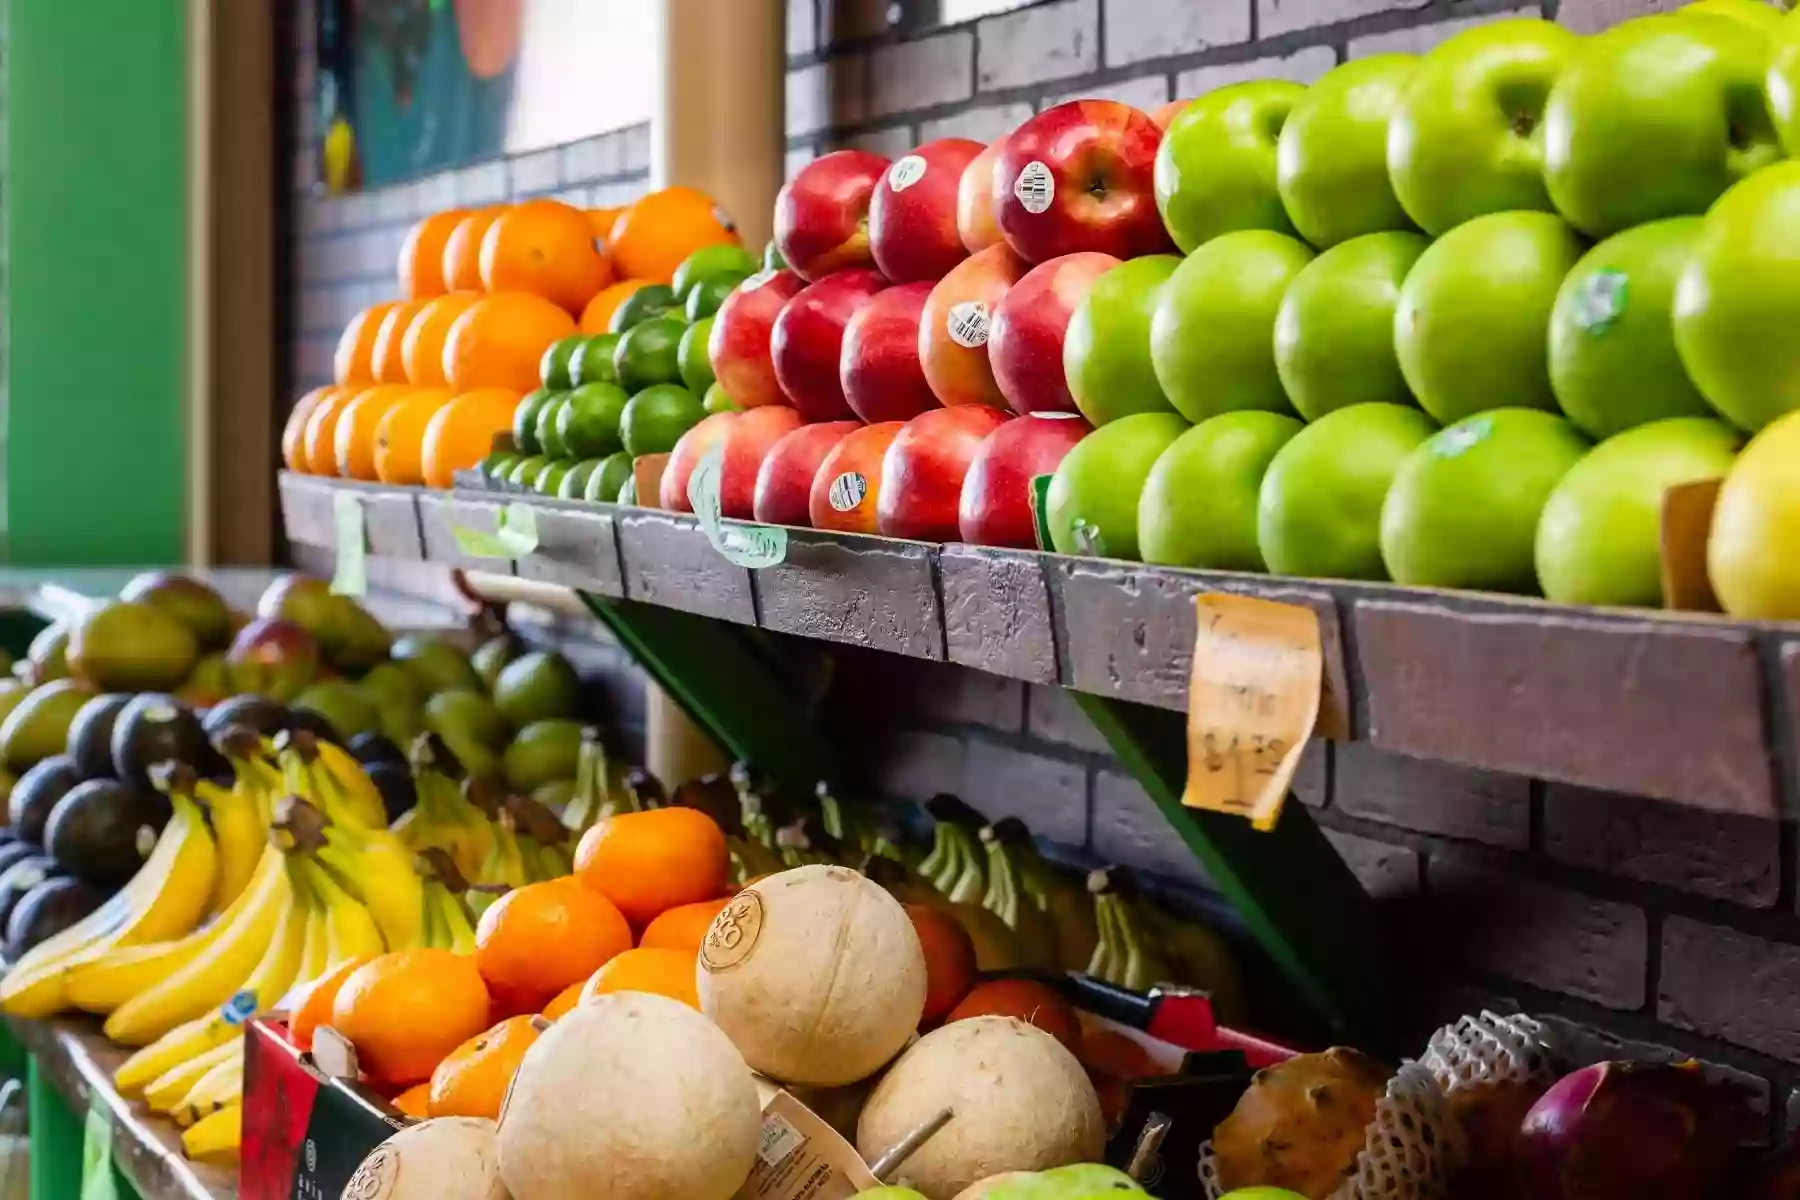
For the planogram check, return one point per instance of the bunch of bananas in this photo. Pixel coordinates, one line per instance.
(1141, 945)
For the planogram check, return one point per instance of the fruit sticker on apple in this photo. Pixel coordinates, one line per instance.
(846, 490)
(1078, 176)
(955, 323)
(785, 478)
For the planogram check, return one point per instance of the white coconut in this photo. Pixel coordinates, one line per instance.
(450, 1158)
(816, 975)
(1021, 1103)
(630, 1096)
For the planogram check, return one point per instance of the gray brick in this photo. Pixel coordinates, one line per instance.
(891, 142)
(1145, 29)
(634, 147)
(1417, 39)
(985, 124)
(913, 764)
(484, 183)
(1286, 16)
(312, 361)
(797, 158)
(1045, 42)
(853, 20)
(1052, 714)
(319, 311)
(1302, 66)
(826, 94)
(575, 197)
(927, 73)
(1546, 936)
(1591, 16)
(394, 203)
(593, 158)
(1722, 855)
(434, 193)
(618, 191)
(534, 174)
(1048, 794)
(1146, 92)
(355, 211)
(1386, 871)
(1432, 797)
(802, 27)
(1311, 786)
(1732, 986)
(314, 217)
(1130, 830)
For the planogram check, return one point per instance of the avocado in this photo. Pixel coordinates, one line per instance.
(207, 684)
(90, 734)
(472, 729)
(20, 878)
(355, 640)
(389, 683)
(303, 600)
(128, 647)
(48, 909)
(342, 705)
(156, 728)
(371, 748)
(491, 657)
(38, 792)
(436, 665)
(539, 686)
(543, 751)
(49, 653)
(39, 726)
(395, 783)
(102, 831)
(260, 713)
(189, 601)
(14, 852)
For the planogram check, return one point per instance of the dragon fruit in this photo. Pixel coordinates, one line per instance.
(1301, 1124)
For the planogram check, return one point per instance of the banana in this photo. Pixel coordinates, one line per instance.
(168, 1089)
(217, 1089)
(315, 954)
(1006, 899)
(373, 865)
(436, 935)
(459, 928)
(505, 862)
(932, 865)
(215, 1140)
(442, 817)
(241, 832)
(353, 931)
(1201, 958)
(543, 841)
(1108, 960)
(352, 785)
(1065, 903)
(971, 879)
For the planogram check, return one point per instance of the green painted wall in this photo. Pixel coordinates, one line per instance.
(96, 264)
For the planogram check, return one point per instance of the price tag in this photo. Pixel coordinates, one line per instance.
(1253, 701)
(1687, 512)
(742, 544)
(351, 578)
(98, 1181)
(515, 534)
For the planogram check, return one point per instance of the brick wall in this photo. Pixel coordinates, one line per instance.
(1643, 925)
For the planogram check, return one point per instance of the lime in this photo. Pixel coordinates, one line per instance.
(713, 262)
(649, 353)
(773, 259)
(553, 369)
(656, 417)
(592, 362)
(549, 440)
(551, 476)
(651, 300)
(497, 464)
(717, 401)
(525, 471)
(525, 417)
(574, 480)
(588, 425)
(696, 366)
(604, 484)
(709, 294)
(628, 491)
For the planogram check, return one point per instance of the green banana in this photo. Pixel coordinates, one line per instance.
(1065, 903)
(1006, 899)
(971, 880)
(1201, 959)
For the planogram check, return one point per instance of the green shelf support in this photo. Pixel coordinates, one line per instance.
(57, 1138)
(1304, 907)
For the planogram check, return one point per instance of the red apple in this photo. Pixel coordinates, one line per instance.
(822, 213)
(689, 450)
(747, 442)
(975, 220)
(846, 489)
(922, 478)
(956, 323)
(995, 508)
(784, 481)
(912, 217)
(808, 341)
(1025, 343)
(880, 370)
(1078, 177)
(739, 344)
(1165, 116)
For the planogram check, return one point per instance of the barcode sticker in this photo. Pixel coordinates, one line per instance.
(1035, 187)
(779, 1139)
(905, 172)
(968, 324)
(847, 491)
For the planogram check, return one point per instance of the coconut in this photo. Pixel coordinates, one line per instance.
(630, 1096)
(816, 975)
(1021, 1103)
(451, 1158)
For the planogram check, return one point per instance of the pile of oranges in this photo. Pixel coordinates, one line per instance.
(424, 383)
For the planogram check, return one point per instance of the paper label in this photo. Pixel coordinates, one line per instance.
(515, 534)
(800, 1157)
(968, 324)
(740, 543)
(97, 1179)
(847, 491)
(733, 933)
(647, 471)
(905, 172)
(1253, 701)
(1686, 522)
(351, 576)
(1035, 187)
(1600, 300)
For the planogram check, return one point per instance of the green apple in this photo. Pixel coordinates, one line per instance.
(1331, 161)
(1735, 302)
(1334, 332)
(1212, 342)
(1215, 168)
(1463, 509)
(1080, 1181)
(1092, 505)
(1468, 139)
(1199, 504)
(1599, 539)
(1656, 118)
(1612, 338)
(1319, 508)
(1782, 85)
(1106, 349)
(1469, 328)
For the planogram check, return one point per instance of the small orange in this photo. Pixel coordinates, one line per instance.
(949, 959)
(1113, 1053)
(400, 436)
(472, 1081)
(547, 248)
(683, 927)
(597, 316)
(565, 1000)
(414, 1102)
(422, 349)
(1030, 1001)
(657, 231)
(499, 341)
(354, 361)
(320, 442)
(665, 972)
(536, 940)
(650, 862)
(461, 433)
(602, 221)
(405, 1011)
(354, 434)
(385, 359)
(293, 434)
(462, 250)
(422, 254)
(315, 1006)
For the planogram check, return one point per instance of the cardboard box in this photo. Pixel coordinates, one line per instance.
(304, 1132)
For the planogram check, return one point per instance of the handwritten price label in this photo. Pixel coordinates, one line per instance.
(1253, 701)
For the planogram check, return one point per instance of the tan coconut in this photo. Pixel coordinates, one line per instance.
(815, 974)
(451, 1158)
(1021, 1103)
(630, 1096)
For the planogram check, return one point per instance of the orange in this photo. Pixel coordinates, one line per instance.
(949, 959)
(1113, 1053)
(665, 972)
(565, 1000)
(602, 221)
(320, 442)
(472, 1081)
(385, 359)
(462, 250)
(422, 254)
(1030, 1001)
(293, 434)
(536, 940)
(547, 248)
(461, 433)
(422, 349)
(499, 341)
(415, 1101)
(650, 862)
(354, 434)
(683, 927)
(597, 316)
(404, 1012)
(354, 361)
(400, 435)
(315, 1006)
(657, 231)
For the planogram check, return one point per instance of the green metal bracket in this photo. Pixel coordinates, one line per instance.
(1293, 892)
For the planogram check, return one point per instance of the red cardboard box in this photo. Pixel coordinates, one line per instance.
(304, 1133)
